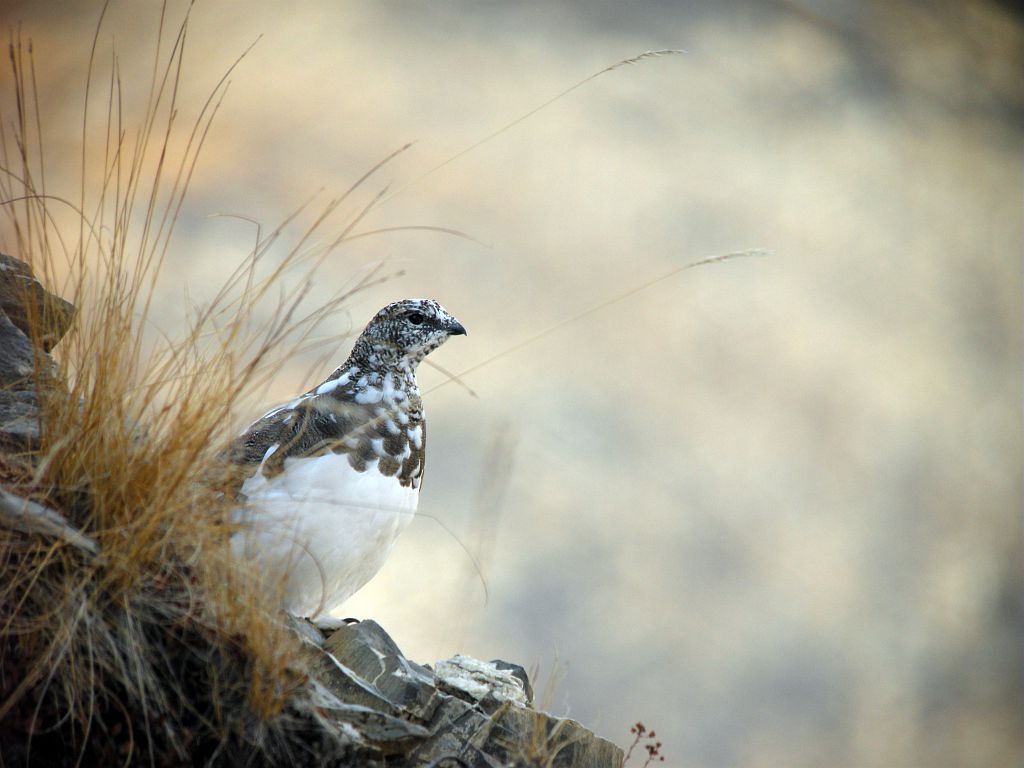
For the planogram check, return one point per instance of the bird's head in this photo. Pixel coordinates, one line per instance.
(405, 332)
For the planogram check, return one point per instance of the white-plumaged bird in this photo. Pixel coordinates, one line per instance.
(332, 478)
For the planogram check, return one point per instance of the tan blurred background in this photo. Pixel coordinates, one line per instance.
(772, 507)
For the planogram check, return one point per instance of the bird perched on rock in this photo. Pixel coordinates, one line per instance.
(332, 478)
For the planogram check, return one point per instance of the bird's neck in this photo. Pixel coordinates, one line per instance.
(383, 357)
(393, 383)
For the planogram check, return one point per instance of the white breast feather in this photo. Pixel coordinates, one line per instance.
(324, 527)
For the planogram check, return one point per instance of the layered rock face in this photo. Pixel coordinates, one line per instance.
(468, 712)
(32, 321)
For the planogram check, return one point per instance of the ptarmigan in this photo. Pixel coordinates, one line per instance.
(332, 478)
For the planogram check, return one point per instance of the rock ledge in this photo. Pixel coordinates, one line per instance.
(472, 713)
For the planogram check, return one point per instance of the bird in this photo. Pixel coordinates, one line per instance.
(329, 480)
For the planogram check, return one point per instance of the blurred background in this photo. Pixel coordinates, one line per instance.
(769, 507)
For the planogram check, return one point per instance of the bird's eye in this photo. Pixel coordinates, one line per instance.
(416, 318)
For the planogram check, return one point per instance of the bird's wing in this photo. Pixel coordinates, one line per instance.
(332, 419)
(309, 426)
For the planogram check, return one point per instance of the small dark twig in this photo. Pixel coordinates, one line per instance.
(652, 746)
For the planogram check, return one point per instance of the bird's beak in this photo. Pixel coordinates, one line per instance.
(456, 329)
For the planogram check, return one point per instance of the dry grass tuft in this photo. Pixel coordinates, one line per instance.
(147, 645)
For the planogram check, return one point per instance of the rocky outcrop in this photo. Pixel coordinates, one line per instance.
(29, 306)
(19, 403)
(32, 321)
(470, 713)
(361, 702)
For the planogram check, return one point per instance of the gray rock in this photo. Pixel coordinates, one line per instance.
(519, 673)
(362, 664)
(513, 736)
(24, 300)
(19, 420)
(466, 724)
(26, 371)
(17, 357)
(367, 727)
(19, 403)
(477, 680)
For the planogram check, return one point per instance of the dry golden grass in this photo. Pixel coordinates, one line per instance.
(147, 645)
